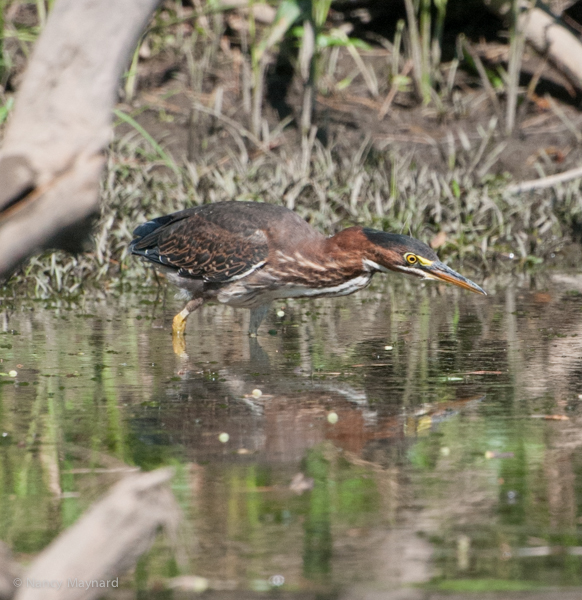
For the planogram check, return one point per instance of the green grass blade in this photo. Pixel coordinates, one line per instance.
(168, 161)
(287, 13)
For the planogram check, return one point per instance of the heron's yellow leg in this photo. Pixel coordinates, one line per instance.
(179, 322)
(179, 326)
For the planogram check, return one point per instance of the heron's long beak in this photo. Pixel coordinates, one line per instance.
(439, 271)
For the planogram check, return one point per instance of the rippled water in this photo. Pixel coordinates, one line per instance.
(404, 435)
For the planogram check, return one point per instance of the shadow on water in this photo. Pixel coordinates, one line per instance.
(406, 435)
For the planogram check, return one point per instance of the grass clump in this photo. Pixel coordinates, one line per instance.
(337, 188)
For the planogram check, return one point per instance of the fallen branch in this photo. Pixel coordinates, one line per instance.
(546, 33)
(549, 37)
(53, 151)
(106, 541)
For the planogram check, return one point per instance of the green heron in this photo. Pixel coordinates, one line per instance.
(247, 254)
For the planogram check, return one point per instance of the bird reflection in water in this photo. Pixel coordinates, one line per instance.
(288, 417)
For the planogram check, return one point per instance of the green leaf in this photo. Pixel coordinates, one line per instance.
(336, 37)
(287, 13)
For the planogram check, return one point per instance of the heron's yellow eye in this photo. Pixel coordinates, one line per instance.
(411, 258)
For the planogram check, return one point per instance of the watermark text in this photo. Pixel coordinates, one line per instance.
(57, 584)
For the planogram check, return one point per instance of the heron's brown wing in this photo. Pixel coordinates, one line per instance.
(198, 248)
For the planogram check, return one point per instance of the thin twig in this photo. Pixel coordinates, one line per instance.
(564, 118)
(367, 74)
(483, 74)
(232, 123)
(516, 48)
(545, 182)
(393, 90)
(307, 69)
(415, 49)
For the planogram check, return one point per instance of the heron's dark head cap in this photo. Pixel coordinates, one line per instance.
(400, 243)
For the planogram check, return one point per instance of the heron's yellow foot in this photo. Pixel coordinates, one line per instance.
(179, 323)
(179, 345)
(179, 326)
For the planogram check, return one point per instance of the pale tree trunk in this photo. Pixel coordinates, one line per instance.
(53, 152)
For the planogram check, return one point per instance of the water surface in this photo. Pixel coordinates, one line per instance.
(406, 435)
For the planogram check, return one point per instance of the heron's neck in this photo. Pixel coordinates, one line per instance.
(326, 262)
(348, 246)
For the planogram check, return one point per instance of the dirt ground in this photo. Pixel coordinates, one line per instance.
(545, 141)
